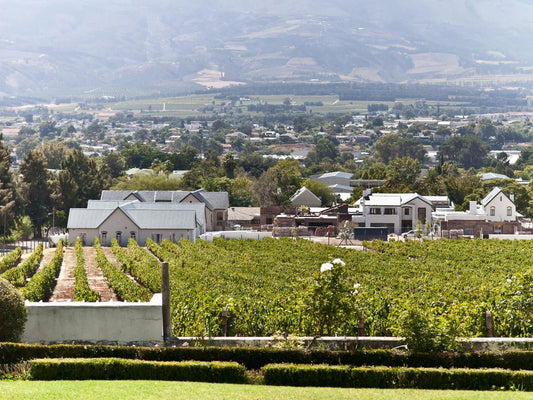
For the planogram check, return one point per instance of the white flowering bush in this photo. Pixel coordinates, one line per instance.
(330, 299)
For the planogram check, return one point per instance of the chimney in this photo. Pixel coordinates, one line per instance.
(473, 207)
(511, 196)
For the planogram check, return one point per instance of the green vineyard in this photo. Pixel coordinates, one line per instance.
(430, 291)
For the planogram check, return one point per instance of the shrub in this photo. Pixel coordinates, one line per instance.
(396, 377)
(41, 285)
(10, 260)
(18, 275)
(117, 368)
(82, 291)
(13, 313)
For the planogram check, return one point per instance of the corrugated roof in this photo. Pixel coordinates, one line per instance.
(162, 219)
(493, 193)
(87, 218)
(199, 208)
(213, 200)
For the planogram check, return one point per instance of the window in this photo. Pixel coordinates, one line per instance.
(133, 235)
(406, 211)
(497, 229)
(390, 211)
(375, 211)
(156, 237)
(469, 230)
(104, 238)
(118, 236)
(509, 211)
(492, 211)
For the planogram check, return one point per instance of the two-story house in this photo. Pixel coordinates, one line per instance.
(398, 212)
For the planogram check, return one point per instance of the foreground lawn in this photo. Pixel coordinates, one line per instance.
(102, 390)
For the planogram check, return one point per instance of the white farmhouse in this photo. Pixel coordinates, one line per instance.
(135, 220)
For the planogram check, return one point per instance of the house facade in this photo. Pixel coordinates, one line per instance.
(134, 220)
(495, 214)
(398, 212)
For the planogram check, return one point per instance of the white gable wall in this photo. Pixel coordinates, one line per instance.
(500, 203)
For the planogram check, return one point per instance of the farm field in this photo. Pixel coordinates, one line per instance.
(82, 390)
(270, 286)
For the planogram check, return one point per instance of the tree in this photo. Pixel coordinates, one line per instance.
(53, 153)
(229, 164)
(322, 191)
(150, 181)
(37, 195)
(114, 163)
(402, 174)
(391, 146)
(467, 151)
(276, 185)
(80, 180)
(325, 151)
(458, 187)
(47, 129)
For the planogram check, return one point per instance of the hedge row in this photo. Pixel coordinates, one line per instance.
(41, 285)
(10, 260)
(82, 290)
(255, 358)
(396, 377)
(117, 368)
(18, 275)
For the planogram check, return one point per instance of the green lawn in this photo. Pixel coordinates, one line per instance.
(102, 390)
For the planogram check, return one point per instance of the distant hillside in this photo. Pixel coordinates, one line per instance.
(60, 47)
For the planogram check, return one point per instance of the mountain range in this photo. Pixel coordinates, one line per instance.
(97, 47)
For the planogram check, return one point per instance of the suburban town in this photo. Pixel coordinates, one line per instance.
(215, 200)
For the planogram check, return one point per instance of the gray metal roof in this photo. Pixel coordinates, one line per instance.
(125, 205)
(213, 200)
(162, 219)
(84, 218)
(493, 193)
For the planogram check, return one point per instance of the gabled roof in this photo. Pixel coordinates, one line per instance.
(212, 200)
(127, 205)
(336, 174)
(488, 176)
(493, 193)
(304, 191)
(83, 218)
(392, 199)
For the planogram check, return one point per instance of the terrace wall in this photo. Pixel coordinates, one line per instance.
(95, 323)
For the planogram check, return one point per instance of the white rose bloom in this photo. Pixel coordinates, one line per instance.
(509, 280)
(357, 286)
(326, 267)
(338, 261)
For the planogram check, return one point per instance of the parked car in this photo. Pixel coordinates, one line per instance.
(409, 234)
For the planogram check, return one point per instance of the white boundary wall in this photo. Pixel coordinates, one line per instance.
(235, 235)
(511, 237)
(95, 323)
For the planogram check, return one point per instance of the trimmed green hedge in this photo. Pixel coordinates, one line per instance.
(41, 285)
(255, 358)
(17, 275)
(117, 368)
(10, 260)
(396, 377)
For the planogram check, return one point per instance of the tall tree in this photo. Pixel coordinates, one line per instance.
(37, 195)
(7, 196)
(467, 151)
(80, 180)
(390, 147)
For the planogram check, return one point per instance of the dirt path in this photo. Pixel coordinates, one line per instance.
(48, 254)
(64, 289)
(97, 281)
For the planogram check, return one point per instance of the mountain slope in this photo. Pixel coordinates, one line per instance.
(59, 46)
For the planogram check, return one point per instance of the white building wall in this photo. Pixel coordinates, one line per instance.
(97, 323)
